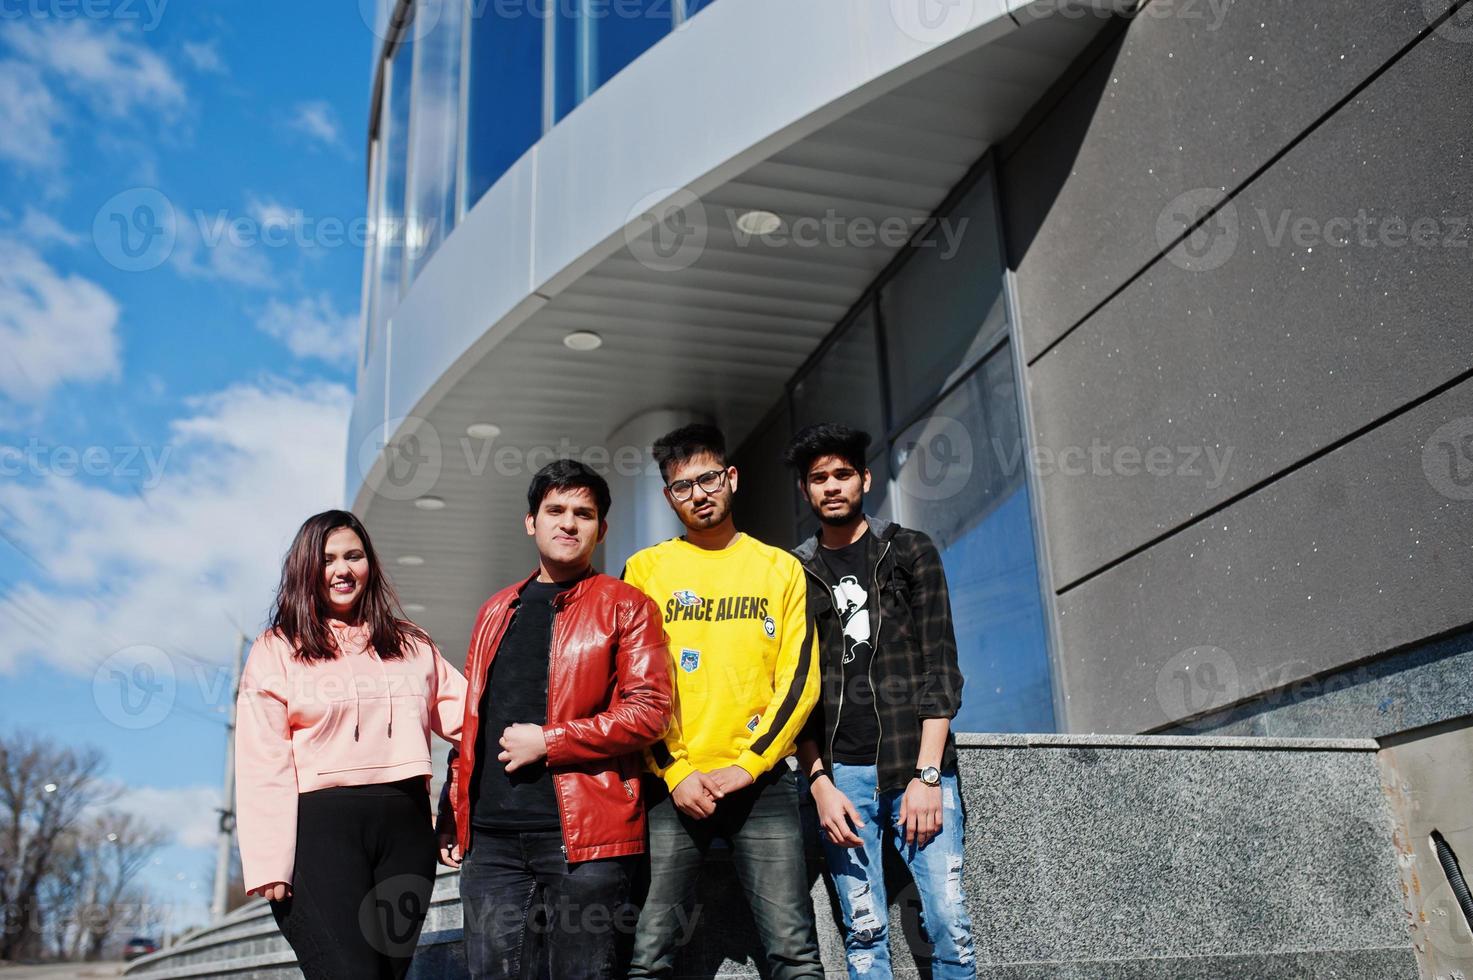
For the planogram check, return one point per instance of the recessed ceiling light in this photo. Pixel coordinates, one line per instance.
(414, 607)
(759, 222)
(430, 503)
(411, 560)
(483, 430)
(583, 340)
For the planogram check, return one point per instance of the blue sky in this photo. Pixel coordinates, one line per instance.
(164, 430)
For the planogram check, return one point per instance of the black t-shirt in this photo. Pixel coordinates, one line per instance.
(857, 739)
(516, 692)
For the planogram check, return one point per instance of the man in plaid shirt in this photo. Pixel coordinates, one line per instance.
(878, 749)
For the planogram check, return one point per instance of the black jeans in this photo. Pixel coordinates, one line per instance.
(762, 827)
(529, 913)
(365, 867)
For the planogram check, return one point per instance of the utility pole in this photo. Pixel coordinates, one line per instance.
(227, 805)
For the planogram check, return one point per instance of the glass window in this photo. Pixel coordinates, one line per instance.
(434, 149)
(503, 89)
(693, 7)
(763, 504)
(370, 255)
(960, 477)
(844, 383)
(393, 163)
(949, 299)
(597, 38)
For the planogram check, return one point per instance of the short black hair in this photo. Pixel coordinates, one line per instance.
(567, 474)
(687, 442)
(826, 439)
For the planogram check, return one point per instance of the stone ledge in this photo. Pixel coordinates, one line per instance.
(973, 740)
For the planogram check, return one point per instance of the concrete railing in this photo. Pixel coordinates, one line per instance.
(1100, 857)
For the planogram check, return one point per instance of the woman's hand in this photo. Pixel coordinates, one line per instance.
(276, 891)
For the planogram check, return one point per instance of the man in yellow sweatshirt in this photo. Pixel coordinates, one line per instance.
(746, 676)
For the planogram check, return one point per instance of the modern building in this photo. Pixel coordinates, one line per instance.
(1159, 317)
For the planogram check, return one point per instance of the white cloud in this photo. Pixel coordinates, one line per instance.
(41, 228)
(207, 247)
(114, 72)
(173, 564)
(204, 56)
(186, 812)
(312, 327)
(317, 120)
(30, 117)
(54, 327)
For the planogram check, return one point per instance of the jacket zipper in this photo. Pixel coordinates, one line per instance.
(828, 591)
(547, 719)
(869, 673)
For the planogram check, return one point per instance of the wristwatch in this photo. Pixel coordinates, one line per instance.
(930, 775)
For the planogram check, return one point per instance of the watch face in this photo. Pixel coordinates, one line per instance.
(931, 776)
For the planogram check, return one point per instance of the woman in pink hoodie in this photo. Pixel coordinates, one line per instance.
(332, 758)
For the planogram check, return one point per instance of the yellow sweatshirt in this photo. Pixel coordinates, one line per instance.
(744, 649)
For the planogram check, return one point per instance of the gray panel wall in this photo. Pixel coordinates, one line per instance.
(1255, 451)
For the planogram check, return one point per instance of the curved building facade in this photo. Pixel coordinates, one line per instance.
(1157, 313)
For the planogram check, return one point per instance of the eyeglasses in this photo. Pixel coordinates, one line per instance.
(710, 481)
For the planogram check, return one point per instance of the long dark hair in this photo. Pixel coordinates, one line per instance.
(301, 613)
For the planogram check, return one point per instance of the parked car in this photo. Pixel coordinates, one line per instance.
(139, 946)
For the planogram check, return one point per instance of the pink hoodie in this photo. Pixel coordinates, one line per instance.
(349, 721)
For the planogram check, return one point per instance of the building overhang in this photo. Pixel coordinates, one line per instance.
(841, 118)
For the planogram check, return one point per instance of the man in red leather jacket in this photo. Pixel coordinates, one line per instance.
(569, 677)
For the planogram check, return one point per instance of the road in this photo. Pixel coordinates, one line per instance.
(61, 971)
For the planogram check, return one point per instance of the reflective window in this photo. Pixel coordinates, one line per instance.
(844, 384)
(393, 162)
(503, 89)
(434, 131)
(597, 38)
(692, 7)
(949, 299)
(960, 477)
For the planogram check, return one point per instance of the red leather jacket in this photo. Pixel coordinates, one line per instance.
(608, 696)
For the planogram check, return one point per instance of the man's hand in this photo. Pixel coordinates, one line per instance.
(694, 797)
(728, 779)
(276, 891)
(920, 813)
(449, 853)
(521, 745)
(835, 812)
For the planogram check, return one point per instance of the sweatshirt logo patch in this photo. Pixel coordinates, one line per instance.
(769, 627)
(752, 725)
(688, 598)
(689, 659)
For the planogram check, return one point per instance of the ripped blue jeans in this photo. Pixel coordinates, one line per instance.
(937, 869)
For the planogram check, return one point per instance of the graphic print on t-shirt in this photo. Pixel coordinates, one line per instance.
(850, 598)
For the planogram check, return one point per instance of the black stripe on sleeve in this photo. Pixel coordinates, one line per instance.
(795, 689)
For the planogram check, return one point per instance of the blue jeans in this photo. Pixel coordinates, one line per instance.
(529, 913)
(859, 879)
(761, 824)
